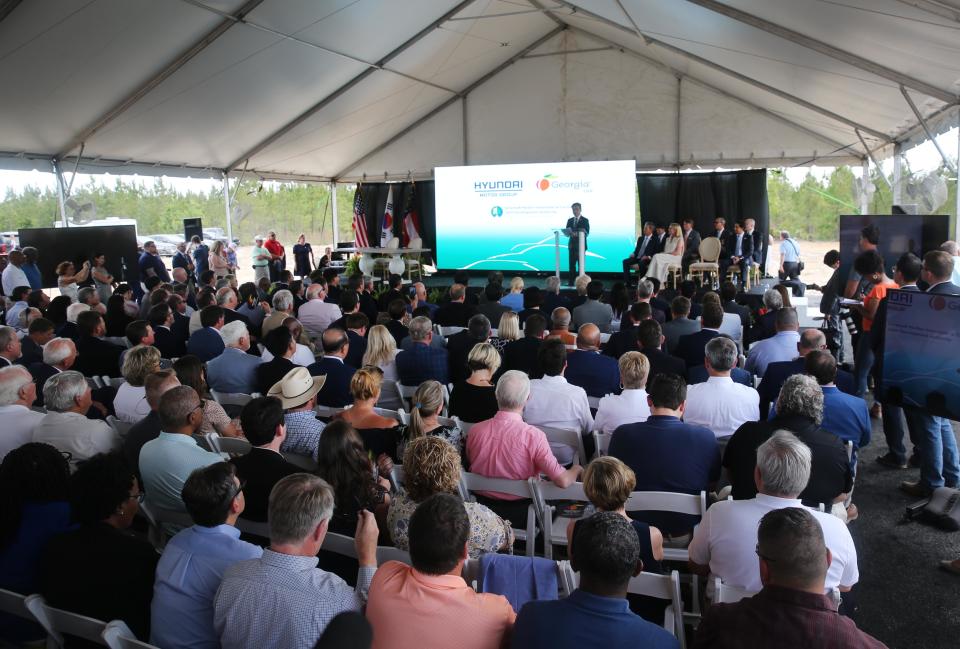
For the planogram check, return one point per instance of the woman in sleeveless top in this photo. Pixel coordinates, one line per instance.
(102, 279)
(671, 255)
(68, 280)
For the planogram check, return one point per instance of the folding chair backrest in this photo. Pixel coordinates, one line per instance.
(304, 462)
(665, 501)
(663, 587)
(254, 528)
(122, 427)
(601, 442)
(327, 412)
(231, 398)
(118, 636)
(472, 482)
(728, 594)
(545, 491)
(570, 438)
(57, 622)
(94, 382)
(234, 445)
(593, 402)
(465, 426)
(446, 332)
(112, 382)
(14, 604)
(849, 448)
(392, 414)
(403, 417)
(344, 545)
(406, 392)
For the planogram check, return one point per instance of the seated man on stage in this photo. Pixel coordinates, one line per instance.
(741, 253)
(644, 251)
(691, 245)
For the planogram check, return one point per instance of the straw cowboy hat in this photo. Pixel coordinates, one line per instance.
(296, 388)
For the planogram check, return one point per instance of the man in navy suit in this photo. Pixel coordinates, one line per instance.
(97, 357)
(741, 252)
(939, 462)
(422, 362)
(336, 389)
(206, 343)
(597, 374)
(690, 348)
(522, 354)
(642, 252)
(651, 338)
(721, 232)
(581, 225)
(625, 340)
(777, 373)
(161, 319)
(460, 344)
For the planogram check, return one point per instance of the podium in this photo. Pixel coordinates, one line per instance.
(581, 252)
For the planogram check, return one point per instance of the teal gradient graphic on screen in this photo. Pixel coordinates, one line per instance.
(502, 217)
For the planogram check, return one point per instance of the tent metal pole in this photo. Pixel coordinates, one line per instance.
(873, 160)
(897, 174)
(826, 49)
(935, 7)
(956, 225)
(463, 130)
(61, 192)
(679, 104)
(864, 199)
(226, 203)
(7, 7)
(926, 129)
(333, 206)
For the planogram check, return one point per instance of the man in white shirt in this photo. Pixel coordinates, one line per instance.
(724, 544)
(631, 405)
(317, 315)
(65, 426)
(952, 249)
(17, 394)
(13, 275)
(720, 404)
(554, 402)
(781, 347)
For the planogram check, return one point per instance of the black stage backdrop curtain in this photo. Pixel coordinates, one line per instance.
(735, 195)
(418, 195)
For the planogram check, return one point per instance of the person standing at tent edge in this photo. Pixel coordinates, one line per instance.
(277, 254)
(580, 225)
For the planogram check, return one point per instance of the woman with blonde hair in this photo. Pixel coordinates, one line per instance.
(474, 399)
(424, 418)
(382, 352)
(432, 466)
(508, 330)
(130, 403)
(68, 279)
(380, 434)
(514, 299)
(671, 255)
(217, 258)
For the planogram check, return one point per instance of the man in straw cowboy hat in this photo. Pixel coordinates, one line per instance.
(297, 392)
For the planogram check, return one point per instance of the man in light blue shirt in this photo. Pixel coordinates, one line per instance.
(789, 257)
(193, 562)
(781, 347)
(167, 461)
(234, 370)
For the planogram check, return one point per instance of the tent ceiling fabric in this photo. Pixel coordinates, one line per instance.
(339, 89)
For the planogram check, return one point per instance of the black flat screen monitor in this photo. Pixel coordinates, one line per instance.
(79, 244)
(899, 233)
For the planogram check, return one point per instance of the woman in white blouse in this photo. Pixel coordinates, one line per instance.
(671, 255)
(130, 404)
(381, 352)
(630, 406)
(68, 279)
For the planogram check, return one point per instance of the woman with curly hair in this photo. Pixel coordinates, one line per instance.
(432, 466)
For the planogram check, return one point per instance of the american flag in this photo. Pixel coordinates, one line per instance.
(359, 220)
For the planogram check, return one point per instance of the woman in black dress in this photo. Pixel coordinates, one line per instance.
(303, 255)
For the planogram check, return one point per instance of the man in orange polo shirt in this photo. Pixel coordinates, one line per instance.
(429, 605)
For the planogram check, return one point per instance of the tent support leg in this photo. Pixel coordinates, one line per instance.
(956, 224)
(61, 193)
(864, 199)
(333, 206)
(463, 129)
(897, 174)
(226, 204)
(679, 104)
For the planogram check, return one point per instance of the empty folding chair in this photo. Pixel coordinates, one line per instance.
(58, 623)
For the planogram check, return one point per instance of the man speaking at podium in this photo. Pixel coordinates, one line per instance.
(576, 223)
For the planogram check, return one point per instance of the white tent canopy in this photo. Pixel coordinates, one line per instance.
(340, 89)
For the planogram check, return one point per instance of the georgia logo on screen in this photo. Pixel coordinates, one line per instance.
(938, 303)
(496, 211)
(544, 183)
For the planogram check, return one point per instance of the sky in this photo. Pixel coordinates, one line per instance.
(920, 158)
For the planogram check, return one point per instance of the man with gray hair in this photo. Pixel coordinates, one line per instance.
(724, 543)
(422, 362)
(66, 427)
(17, 394)
(88, 295)
(456, 312)
(58, 356)
(302, 598)
(952, 249)
(721, 404)
(282, 309)
(799, 410)
(234, 370)
(316, 315)
(782, 347)
(508, 447)
(9, 346)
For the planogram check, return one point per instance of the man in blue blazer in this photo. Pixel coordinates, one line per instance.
(206, 343)
(597, 374)
(691, 347)
(234, 370)
(422, 362)
(336, 389)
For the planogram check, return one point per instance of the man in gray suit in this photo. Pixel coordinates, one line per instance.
(593, 310)
(680, 324)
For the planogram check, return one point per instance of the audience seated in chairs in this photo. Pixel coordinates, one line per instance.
(39, 333)
(336, 388)
(721, 404)
(303, 598)
(473, 399)
(532, 303)
(381, 435)
(96, 357)
(630, 406)
(148, 428)
(800, 411)
(17, 394)
(191, 372)
(691, 348)
(455, 313)
(844, 415)
(651, 338)
(795, 563)
(104, 497)
(59, 355)
(161, 321)
(781, 347)
(731, 325)
(194, 560)
(508, 330)
(317, 315)
(490, 306)
(397, 311)
(130, 403)
(297, 392)
(422, 362)
(460, 344)
(507, 447)
(767, 322)
(554, 402)
(593, 310)
(282, 346)
(587, 368)
(429, 605)
(607, 554)
(65, 426)
(680, 324)
(10, 346)
(234, 370)
(431, 466)
(667, 454)
(645, 293)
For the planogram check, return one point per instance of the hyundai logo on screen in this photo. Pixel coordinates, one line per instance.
(497, 185)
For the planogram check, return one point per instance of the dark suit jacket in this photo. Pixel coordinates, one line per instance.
(69, 330)
(726, 244)
(260, 470)
(206, 344)
(30, 352)
(336, 389)
(40, 373)
(96, 357)
(229, 315)
(422, 363)
(453, 314)
(777, 373)
(645, 248)
(947, 288)
(494, 311)
(746, 245)
(398, 330)
(756, 247)
(269, 373)
(657, 304)
(522, 355)
(663, 363)
(583, 225)
(599, 375)
(167, 343)
(358, 347)
(368, 307)
(145, 430)
(623, 341)
(526, 313)
(550, 302)
(458, 348)
(690, 348)
(691, 244)
(389, 296)
(180, 330)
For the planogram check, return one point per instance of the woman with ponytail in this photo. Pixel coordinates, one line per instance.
(424, 418)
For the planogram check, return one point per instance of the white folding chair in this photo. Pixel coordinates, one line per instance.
(57, 623)
(122, 427)
(254, 528)
(406, 393)
(239, 399)
(446, 332)
(594, 402)
(327, 412)
(664, 501)
(15, 604)
(604, 338)
(403, 417)
(601, 441)
(473, 482)
(553, 526)
(233, 445)
(304, 462)
(112, 382)
(344, 545)
(164, 523)
(727, 594)
(465, 426)
(118, 636)
(94, 382)
(571, 438)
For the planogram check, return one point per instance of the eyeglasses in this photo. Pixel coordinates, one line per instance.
(140, 496)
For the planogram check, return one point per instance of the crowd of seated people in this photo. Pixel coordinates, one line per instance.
(670, 392)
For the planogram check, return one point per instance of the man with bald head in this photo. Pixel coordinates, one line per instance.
(336, 389)
(779, 371)
(597, 374)
(560, 325)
